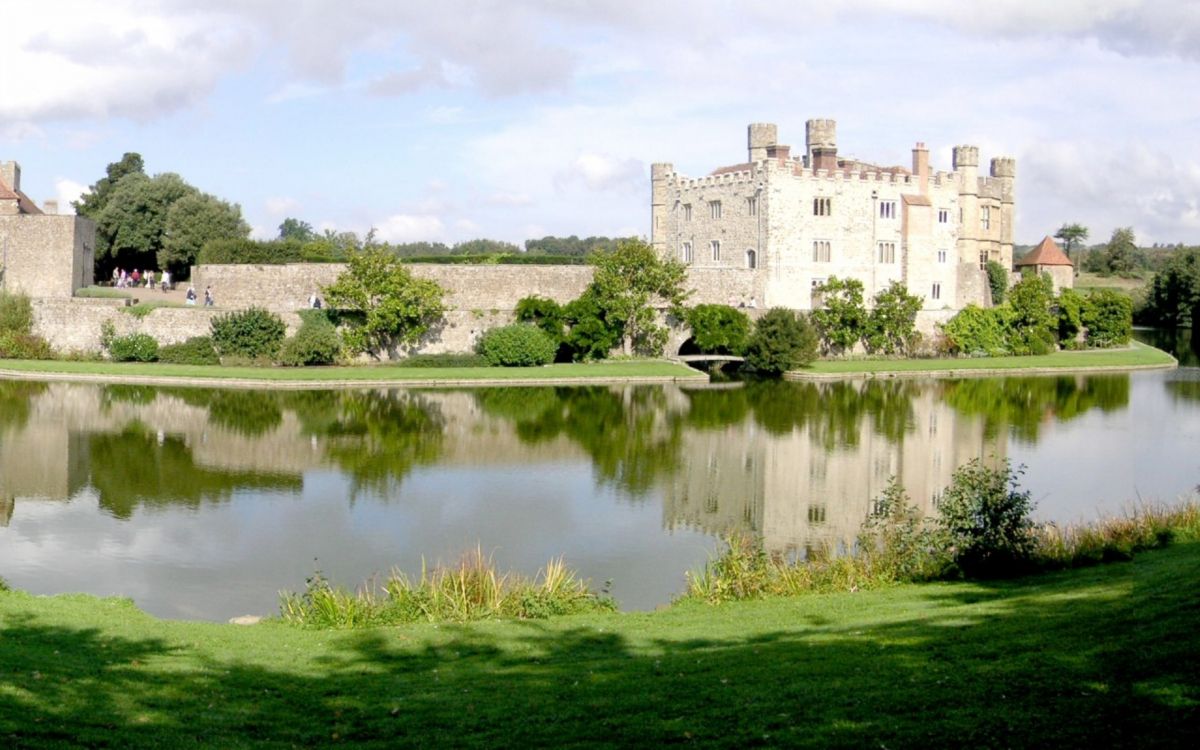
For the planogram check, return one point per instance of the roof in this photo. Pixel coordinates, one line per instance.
(25, 205)
(1047, 253)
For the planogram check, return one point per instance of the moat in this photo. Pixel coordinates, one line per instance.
(203, 504)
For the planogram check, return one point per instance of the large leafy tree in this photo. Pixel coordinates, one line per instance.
(131, 227)
(782, 340)
(892, 324)
(92, 202)
(295, 229)
(383, 305)
(628, 285)
(841, 319)
(1033, 327)
(1071, 235)
(1174, 299)
(194, 219)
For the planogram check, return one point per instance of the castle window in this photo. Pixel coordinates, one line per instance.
(751, 259)
(936, 292)
(714, 209)
(983, 260)
(887, 209)
(816, 514)
(686, 252)
(985, 218)
(716, 249)
(822, 206)
(821, 251)
(887, 252)
(752, 206)
(941, 256)
(943, 216)
(687, 211)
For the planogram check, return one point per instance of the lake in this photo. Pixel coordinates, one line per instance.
(205, 503)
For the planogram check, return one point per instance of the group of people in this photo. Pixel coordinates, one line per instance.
(123, 279)
(191, 296)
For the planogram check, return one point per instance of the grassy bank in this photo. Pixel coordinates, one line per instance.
(1136, 356)
(1102, 656)
(625, 369)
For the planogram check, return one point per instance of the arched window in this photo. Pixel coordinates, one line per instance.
(751, 259)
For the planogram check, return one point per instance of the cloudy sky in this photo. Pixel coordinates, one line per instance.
(511, 119)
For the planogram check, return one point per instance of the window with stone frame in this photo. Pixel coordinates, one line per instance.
(752, 206)
(985, 218)
(943, 216)
(822, 206)
(887, 209)
(942, 256)
(751, 258)
(715, 246)
(936, 291)
(887, 252)
(686, 252)
(822, 251)
(687, 211)
(714, 209)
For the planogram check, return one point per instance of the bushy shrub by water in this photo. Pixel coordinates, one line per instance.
(718, 329)
(254, 333)
(316, 342)
(24, 346)
(198, 350)
(520, 345)
(976, 331)
(133, 347)
(985, 517)
(782, 340)
(16, 314)
(1108, 317)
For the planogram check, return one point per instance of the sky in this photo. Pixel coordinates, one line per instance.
(511, 119)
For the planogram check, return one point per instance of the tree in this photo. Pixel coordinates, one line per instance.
(295, 229)
(1071, 234)
(1121, 253)
(718, 329)
(131, 227)
(192, 221)
(627, 284)
(92, 202)
(891, 326)
(1108, 316)
(382, 304)
(842, 319)
(782, 341)
(1174, 299)
(1033, 327)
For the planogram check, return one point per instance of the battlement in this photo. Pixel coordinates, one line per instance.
(965, 156)
(1004, 166)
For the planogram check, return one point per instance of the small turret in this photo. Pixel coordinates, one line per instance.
(761, 137)
(660, 194)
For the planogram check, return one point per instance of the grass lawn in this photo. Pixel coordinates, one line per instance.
(1138, 355)
(1086, 282)
(1105, 657)
(373, 373)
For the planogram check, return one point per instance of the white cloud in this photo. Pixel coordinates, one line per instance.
(603, 172)
(509, 198)
(410, 228)
(281, 205)
(68, 191)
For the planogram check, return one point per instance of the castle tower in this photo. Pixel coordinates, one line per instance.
(660, 195)
(1004, 173)
(761, 137)
(966, 168)
(820, 142)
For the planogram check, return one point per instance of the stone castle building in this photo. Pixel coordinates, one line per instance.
(786, 222)
(42, 253)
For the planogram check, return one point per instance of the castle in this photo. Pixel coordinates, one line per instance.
(42, 253)
(778, 225)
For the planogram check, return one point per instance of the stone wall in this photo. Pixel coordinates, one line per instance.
(46, 255)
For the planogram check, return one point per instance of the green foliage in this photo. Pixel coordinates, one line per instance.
(16, 313)
(573, 246)
(544, 313)
(782, 340)
(590, 334)
(976, 331)
(1071, 234)
(1032, 328)
(133, 347)
(24, 346)
(254, 333)
(986, 520)
(1120, 256)
(131, 227)
(1070, 316)
(519, 345)
(891, 326)
(295, 229)
(898, 541)
(1108, 316)
(718, 329)
(198, 350)
(841, 317)
(1174, 299)
(382, 304)
(627, 284)
(997, 280)
(316, 342)
(92, 202)
(193, 220)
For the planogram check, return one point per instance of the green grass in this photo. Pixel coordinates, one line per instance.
(620, 369)
(142, 309)
(1098, 657)
(103, 292)
(1137, 355)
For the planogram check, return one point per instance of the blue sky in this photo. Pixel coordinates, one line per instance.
(512, 119)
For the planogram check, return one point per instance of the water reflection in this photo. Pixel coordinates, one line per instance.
(1022, 405)
(1181, 343)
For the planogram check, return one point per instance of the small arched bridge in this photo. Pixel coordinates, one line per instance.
(689, 358)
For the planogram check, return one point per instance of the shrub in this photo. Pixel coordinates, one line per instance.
(198, 350)
(782, 340)
(977, 331)
(519, 345)
(591, 335)
(448, 359)
(1070, 316)
(316, 342)
(718, 329)
(542, 312)
(841, 318)
(24, 346)
(891, 326)
(897, 540)
(16, 314)
(1108, 316)
(986, 521)
(134, 347)
(998, 281)
(254, 333)
(1032, 328)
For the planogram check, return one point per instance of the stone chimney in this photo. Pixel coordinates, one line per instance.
(820, 140)
(10, 174)
(920, 166)
(50, 206)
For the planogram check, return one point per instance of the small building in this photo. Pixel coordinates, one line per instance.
(1048, 258)
(42, 253)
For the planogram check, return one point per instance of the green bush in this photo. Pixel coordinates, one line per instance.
(1033, 327)
(134, 347)
(197, 350)
(976, 331)
(16, 314)
(1108, 317)
(782, 340)
(1070, 316)
(254, 333)
(998, 281)
(24, 346)
(718, 329)
(891, 326)
(544, 313)
(841, 316)
(986, 520)
(315, 343)
(520, 345)
(591, 335)
(448, 359)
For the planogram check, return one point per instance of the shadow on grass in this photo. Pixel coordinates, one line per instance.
(1105, 657)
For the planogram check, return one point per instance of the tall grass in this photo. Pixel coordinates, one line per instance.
(470, 590)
